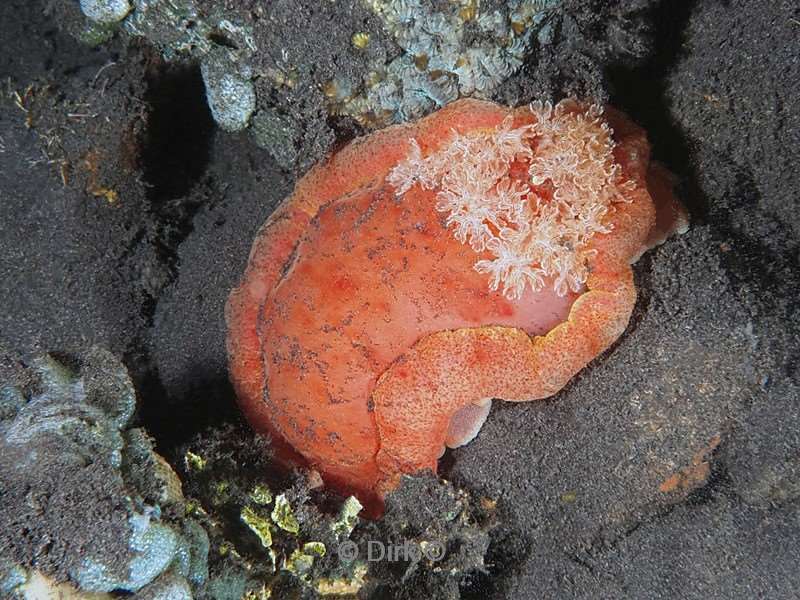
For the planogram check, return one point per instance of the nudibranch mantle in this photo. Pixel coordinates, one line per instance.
(422, 271)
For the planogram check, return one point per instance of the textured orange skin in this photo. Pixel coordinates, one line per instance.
(360, 326)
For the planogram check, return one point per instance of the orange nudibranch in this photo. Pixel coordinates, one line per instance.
(481, 252)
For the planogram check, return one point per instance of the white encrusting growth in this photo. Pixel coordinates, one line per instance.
(536, 229)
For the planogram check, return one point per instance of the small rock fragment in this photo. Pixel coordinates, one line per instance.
(106, 11)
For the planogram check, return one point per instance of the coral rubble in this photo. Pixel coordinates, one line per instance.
(85, 497)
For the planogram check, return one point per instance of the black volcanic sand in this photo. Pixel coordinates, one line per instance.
(602, 490)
